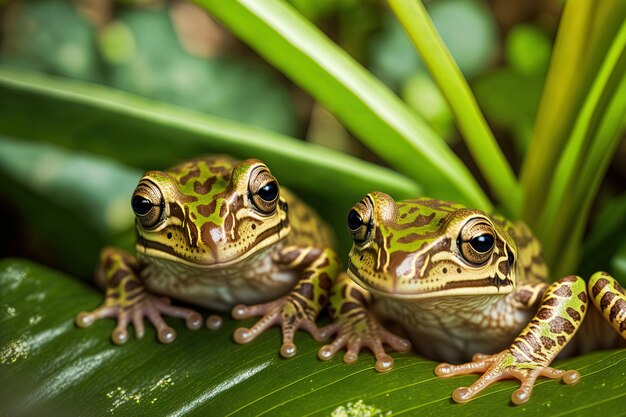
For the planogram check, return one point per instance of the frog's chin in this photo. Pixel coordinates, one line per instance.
(149, 249)
(485, 286)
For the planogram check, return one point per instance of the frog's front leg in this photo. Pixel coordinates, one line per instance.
(356, 327)
(128, 299)
(610, 299)
(300, 307)
(560, 314)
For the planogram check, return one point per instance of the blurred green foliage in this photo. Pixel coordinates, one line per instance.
(138, 50)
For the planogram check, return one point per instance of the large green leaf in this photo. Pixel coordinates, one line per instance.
(48, 366)
(361, 102)
(151, 135)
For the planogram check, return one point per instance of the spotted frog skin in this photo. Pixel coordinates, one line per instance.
(459, 281)
(216, 232)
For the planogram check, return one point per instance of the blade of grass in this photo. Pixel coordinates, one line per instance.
(369, 109)
(585, 159)
(472, 124)
(585, 34)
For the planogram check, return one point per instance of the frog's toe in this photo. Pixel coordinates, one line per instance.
(214, 322)
(327, 352)
(139, 325)
(193, 319)
(165, 333)
(243, 335)
(479, 363)
(87, 318)
(119, 336)
(240, 311)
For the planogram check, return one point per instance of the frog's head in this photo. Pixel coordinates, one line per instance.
(425, 248)
(209, 212)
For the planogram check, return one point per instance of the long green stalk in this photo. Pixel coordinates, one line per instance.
(368, 108)
(472, 124)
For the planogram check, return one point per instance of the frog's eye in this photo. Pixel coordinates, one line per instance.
(264, 191)
(359, 223)
(477, 241)
(147, 203)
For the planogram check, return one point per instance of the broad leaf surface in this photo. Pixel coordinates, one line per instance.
(47, 365)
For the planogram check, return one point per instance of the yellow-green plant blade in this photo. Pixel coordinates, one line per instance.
(369, 109)
(472, 124)
(584, 161)
(585, 34)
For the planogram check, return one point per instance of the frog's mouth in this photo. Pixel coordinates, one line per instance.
(469, 287)
(149, 248)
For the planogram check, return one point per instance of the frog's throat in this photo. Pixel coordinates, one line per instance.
(151, 251)
(482, 286)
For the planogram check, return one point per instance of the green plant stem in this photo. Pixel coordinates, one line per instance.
(368, 108)
(472, 124)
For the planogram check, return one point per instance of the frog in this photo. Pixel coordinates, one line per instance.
(470, 289)
(222, 234)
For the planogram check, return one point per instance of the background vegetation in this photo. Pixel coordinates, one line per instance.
(508, 105)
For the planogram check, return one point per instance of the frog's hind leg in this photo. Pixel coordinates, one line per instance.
(128, 300)
(610, 299)
(560, 314)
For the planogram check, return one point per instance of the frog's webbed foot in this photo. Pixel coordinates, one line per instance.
(128, 300)
(148, 306)
(562, 309)
(290, 312)
(501, 366)
(363, 330)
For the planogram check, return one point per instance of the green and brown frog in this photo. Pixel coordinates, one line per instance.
(460, 281)
(219, 233)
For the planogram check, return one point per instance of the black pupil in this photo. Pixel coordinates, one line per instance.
(482, 243)
(269, 191)
(141, 205)
(354, 220)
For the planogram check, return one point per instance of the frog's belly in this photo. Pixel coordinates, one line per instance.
(453, 329)
(255, 281)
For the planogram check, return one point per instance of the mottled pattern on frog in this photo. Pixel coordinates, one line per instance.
(217, 232)
(412, 252)
(460, 281)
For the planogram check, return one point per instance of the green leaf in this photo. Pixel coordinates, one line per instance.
(151, 135)
(155, 65)
(473, 126)
(72, 204)
(48, 366)
(494, 92)
(601, 248)
(50, 36)
(365, 106)
(585, 34)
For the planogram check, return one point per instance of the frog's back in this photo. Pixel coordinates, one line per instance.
(531, 268)
(307, 226)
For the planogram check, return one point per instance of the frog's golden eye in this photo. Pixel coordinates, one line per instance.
(147, 203)
(263, 191)
(477, 241)
(360, 223)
